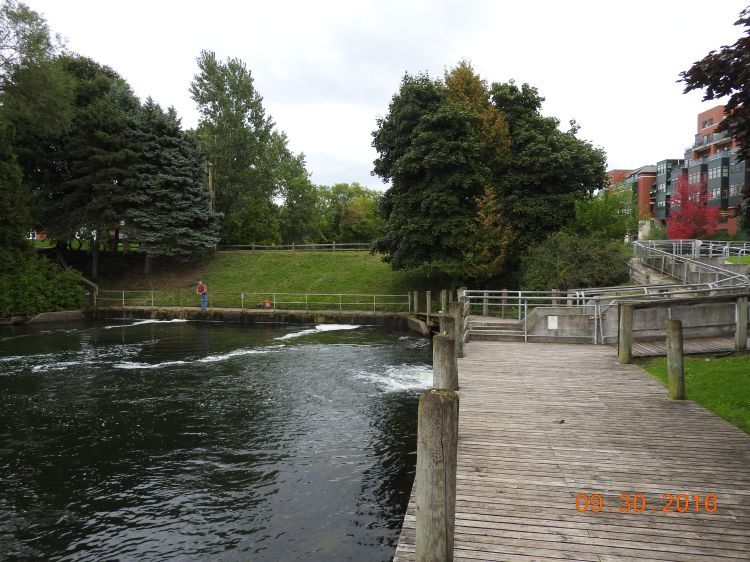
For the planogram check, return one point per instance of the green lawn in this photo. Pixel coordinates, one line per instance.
(720, 384)
(282, 272)
(739, 259)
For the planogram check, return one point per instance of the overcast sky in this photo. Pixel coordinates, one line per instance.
(327, 70)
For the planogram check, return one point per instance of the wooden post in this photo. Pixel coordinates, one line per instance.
(435, 481)
(555, 293)
(504, 302)
(625, 339)
(444, 363)
(428, 296)
(458, 328)
(740, 333)
(675, 370)
(486, 304)
(443, 309)
(416, 302)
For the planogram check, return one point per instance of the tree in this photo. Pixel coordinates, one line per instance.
(25, 39)
(727, 73)
(237, 138)
(607, 215)
(431, 149)
(568, 261)
(491, 240)
(689, 215)
(349, 213)
(15, 219)
(168, 207)
(548, 169)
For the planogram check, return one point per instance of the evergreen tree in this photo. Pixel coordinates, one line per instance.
(168, 209)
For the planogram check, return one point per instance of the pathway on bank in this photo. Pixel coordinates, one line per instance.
(540, 424)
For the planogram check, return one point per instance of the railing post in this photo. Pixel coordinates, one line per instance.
(408, 298)
(242, 300)
(458, 327)
(373, 303)
(180, 299)
(428, 296)
(435, 481)
(675, 369)
(485, 304)
(416, 302)
(444, 363)
(625, 337)
(443, 309)
(740, 332)
(503, 303)
(274, 301)
(123, 299)
(306, 303)
(334, 246)
(555, 293)
(340, 305)
(152, 299)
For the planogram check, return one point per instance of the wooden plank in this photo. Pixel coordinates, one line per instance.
(541, 423)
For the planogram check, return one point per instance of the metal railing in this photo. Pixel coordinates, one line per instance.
(676, 263)
(252, 300)
(508, 312)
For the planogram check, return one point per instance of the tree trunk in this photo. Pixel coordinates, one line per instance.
(116, 240)
(95, 257)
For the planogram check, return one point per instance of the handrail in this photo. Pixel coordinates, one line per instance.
(255, 299)
(681, 262)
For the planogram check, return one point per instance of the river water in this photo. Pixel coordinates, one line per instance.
(206, 441)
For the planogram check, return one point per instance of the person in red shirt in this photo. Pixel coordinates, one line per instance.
(202, 290)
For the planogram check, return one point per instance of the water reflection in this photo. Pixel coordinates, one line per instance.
(188, 441)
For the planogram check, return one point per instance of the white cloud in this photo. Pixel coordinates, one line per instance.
(326, 69)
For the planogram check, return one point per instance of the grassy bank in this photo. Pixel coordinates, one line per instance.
(720, 384)
(283, 272)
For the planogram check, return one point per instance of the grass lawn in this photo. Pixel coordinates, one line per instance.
(721, 384)
(739, 259)
(282, 272)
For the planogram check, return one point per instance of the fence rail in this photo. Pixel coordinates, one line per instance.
(251, 300)
(332, 247)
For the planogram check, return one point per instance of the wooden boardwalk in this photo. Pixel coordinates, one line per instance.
(541, 423)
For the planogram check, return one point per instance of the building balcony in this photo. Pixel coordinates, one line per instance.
(708, 140)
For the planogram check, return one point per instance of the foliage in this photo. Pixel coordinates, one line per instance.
(168, 207)
(443, 142)
(238, 139)
(721, 384)
(38, 285)
(14, 213)
(568, 261)
(491, 239)
(726, 72)
(430, 149)
(548, 169)
(348, 213)
(657, 231)
(25, 39)
(690, 216)
(607, 215)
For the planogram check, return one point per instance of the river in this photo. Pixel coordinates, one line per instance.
(174, 440)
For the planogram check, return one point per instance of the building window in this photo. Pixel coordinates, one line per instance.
(707, 123)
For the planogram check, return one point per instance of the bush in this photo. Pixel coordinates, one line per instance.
(38, 285)
(566, 261)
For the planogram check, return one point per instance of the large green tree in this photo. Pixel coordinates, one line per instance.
(548, 169)
(349, 213)
(433, 149)
(168, 205)
(82, 177)
(237, 137)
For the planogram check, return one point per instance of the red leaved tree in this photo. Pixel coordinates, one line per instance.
(689, 215)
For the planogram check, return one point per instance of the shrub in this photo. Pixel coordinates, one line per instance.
(38, 285)
(566, 261)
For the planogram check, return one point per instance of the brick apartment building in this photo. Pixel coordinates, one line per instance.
(710, 161)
